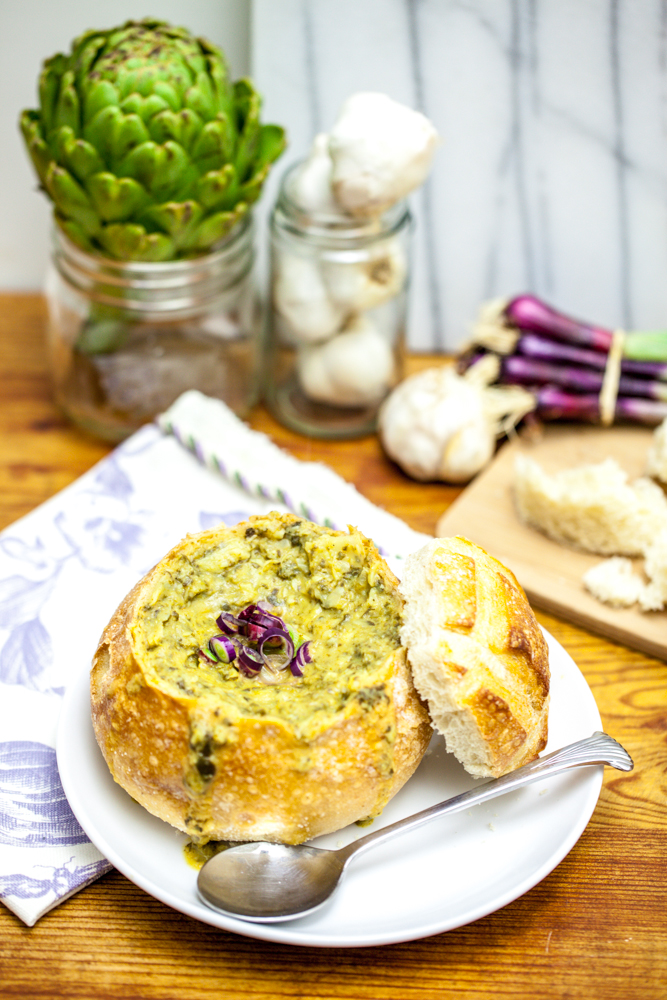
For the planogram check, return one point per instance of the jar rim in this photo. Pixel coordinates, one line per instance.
(94, 261)
(337, 228)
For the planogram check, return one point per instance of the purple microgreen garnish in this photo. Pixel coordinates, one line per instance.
(276, 648)
(301, 658)
(250, 661)
(256, 639)
(203, 655)
(229, 624)
(222, 647)
(247, 613)
(253, 615)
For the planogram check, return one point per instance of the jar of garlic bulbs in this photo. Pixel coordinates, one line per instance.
(338, 308)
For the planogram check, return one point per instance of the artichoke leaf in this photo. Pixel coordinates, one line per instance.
(180, 220)
(176, 172)
(252, 188)
(214, 144)
(130, 241)
(213, 188)
(272, 142)
(219, 74)
(98, 95)
(85, 51)
(68, 106)
(161, 169)
(49, 88)
(102, 336)
(165, 90)
(129, 133)
(145, 107)
(71, 199)
(215, 227)
(249, 140)
(76, 234)
(82, 159)
(183, 127)
(40, 154)
(116, 199)
(200, 98)
(77, 155)
(243, 91)
(101, 129)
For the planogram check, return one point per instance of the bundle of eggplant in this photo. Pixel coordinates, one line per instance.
(574, 370)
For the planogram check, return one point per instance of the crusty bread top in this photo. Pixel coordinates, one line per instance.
(477, 654)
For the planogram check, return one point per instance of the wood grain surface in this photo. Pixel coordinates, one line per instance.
(594, 929)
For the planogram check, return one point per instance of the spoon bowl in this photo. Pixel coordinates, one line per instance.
(267, 883)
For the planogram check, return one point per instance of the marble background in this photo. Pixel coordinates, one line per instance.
(552, 175)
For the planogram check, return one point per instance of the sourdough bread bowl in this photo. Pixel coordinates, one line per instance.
(478, 655)
(225, 756)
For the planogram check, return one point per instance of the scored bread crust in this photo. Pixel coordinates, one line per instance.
(478, 655)
(265, 781)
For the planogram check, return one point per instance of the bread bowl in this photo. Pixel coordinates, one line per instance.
(478, 655)
(223, 756)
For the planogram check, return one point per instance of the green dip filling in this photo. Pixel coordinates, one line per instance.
(332, 588)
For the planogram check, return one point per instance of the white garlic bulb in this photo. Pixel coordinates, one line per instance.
(354, 368)
(366, 279)
(311, 184)
(301, 297)
(381, 150)
(438, 425)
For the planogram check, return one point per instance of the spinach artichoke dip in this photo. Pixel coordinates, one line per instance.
(253, 685)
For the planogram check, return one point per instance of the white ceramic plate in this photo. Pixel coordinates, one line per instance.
(447, 874)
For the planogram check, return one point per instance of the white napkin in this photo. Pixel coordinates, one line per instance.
(66, 566)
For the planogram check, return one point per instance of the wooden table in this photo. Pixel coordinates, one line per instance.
(595, 928)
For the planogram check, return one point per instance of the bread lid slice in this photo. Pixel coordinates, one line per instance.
(478, 655)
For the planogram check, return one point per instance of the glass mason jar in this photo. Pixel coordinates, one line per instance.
(127, 338)
(337, 318)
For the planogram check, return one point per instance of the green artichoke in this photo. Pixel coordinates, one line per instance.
(145, 147)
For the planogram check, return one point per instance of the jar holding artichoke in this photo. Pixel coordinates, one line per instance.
(152, 159)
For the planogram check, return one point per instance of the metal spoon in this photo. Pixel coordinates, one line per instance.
(267, 883)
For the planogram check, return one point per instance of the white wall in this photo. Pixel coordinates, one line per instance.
(552, 176)
(33, 30)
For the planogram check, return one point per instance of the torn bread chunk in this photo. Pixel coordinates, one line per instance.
(656, 460)
(654, 595)
(614, 581)
(592, 507)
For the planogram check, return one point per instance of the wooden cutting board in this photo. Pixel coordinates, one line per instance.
(551, 573)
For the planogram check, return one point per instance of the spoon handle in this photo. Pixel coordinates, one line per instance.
(596, 749)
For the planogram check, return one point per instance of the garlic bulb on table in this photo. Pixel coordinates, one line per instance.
(354, 368)
(381, 151)
(438, 425)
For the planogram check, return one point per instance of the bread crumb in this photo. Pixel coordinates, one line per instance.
(656, 460)
(654, 595)
(614, 582)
